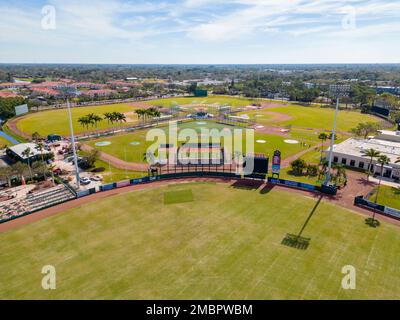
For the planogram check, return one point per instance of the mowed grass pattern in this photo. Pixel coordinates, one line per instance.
(179, 196)
(226, 244)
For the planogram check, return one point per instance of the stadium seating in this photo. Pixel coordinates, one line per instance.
(34, 202)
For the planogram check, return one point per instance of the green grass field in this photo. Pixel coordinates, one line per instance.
(56, 121)
(312, 117)
(388, 196)
(122, 148)
(221, 100)
(4, 142)
(112, 174)
(223, 244)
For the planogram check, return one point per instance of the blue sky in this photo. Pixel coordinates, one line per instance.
(200, 31)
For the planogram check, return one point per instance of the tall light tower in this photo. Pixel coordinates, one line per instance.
(337, 91)
(69, 92)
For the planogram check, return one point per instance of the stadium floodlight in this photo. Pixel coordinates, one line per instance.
(70, 92)
(336, 91)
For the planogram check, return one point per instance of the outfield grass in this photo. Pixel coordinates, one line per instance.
(221, 100)
(112, 174)
(225, 244)
(122, 148)
(388, 196)
(56, 121)
(312, 117)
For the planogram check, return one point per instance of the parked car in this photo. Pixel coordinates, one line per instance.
(85, 181)
(96, 178)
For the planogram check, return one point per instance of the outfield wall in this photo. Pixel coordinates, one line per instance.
(385, 210)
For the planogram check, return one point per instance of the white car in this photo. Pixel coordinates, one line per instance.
(85, 180)
(96, 178)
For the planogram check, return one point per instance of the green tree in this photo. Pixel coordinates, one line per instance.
(36, 136)
(370, 153)
(298, 166)
(323, 137)
(28, 153)
(6, 173)
(365, 129)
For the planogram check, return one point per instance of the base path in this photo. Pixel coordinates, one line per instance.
(345, 198)
(115, 162)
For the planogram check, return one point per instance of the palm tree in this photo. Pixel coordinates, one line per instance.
(109, 117)
(139, 113)
(35, 136)
(119, 117)
(96, 119)
(323, 137)
(371, 153)
(27, 153)
(382, 160)
(340, 172)
(40, 147)
(84, 122)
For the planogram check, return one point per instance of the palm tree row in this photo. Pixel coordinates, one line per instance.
(114, 117)
(144, 114)
(90, 120)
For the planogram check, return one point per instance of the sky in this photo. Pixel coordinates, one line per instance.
(200, 31)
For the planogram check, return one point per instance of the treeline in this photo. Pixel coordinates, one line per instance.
(7, 106)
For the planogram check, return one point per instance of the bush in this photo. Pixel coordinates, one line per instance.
(298, 166)
(99, 169)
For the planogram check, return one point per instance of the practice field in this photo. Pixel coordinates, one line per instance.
(132, 147)
(201, 241)
(56, 121)
(311, 117)
(221, 100)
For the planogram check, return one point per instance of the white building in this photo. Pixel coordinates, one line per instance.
(351, 153)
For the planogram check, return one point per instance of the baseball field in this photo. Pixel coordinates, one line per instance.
(132, 147)
(201, 241)
(310, 117)
(56, 121)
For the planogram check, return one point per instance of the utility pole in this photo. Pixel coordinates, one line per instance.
(336, 91)
(328, 172)
(71, 128)
(67, 93)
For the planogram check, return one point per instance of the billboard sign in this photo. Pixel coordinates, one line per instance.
(22, 109)
(276, 162)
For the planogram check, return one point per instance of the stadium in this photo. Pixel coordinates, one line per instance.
(194, 230)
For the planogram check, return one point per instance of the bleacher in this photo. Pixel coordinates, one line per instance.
(35, 201)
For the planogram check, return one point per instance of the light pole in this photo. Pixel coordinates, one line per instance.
(337, 91)
(67, 91)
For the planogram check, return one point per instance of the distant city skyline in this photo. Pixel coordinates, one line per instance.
(200, 31)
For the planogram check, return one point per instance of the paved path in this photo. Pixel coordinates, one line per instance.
(116, 162)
